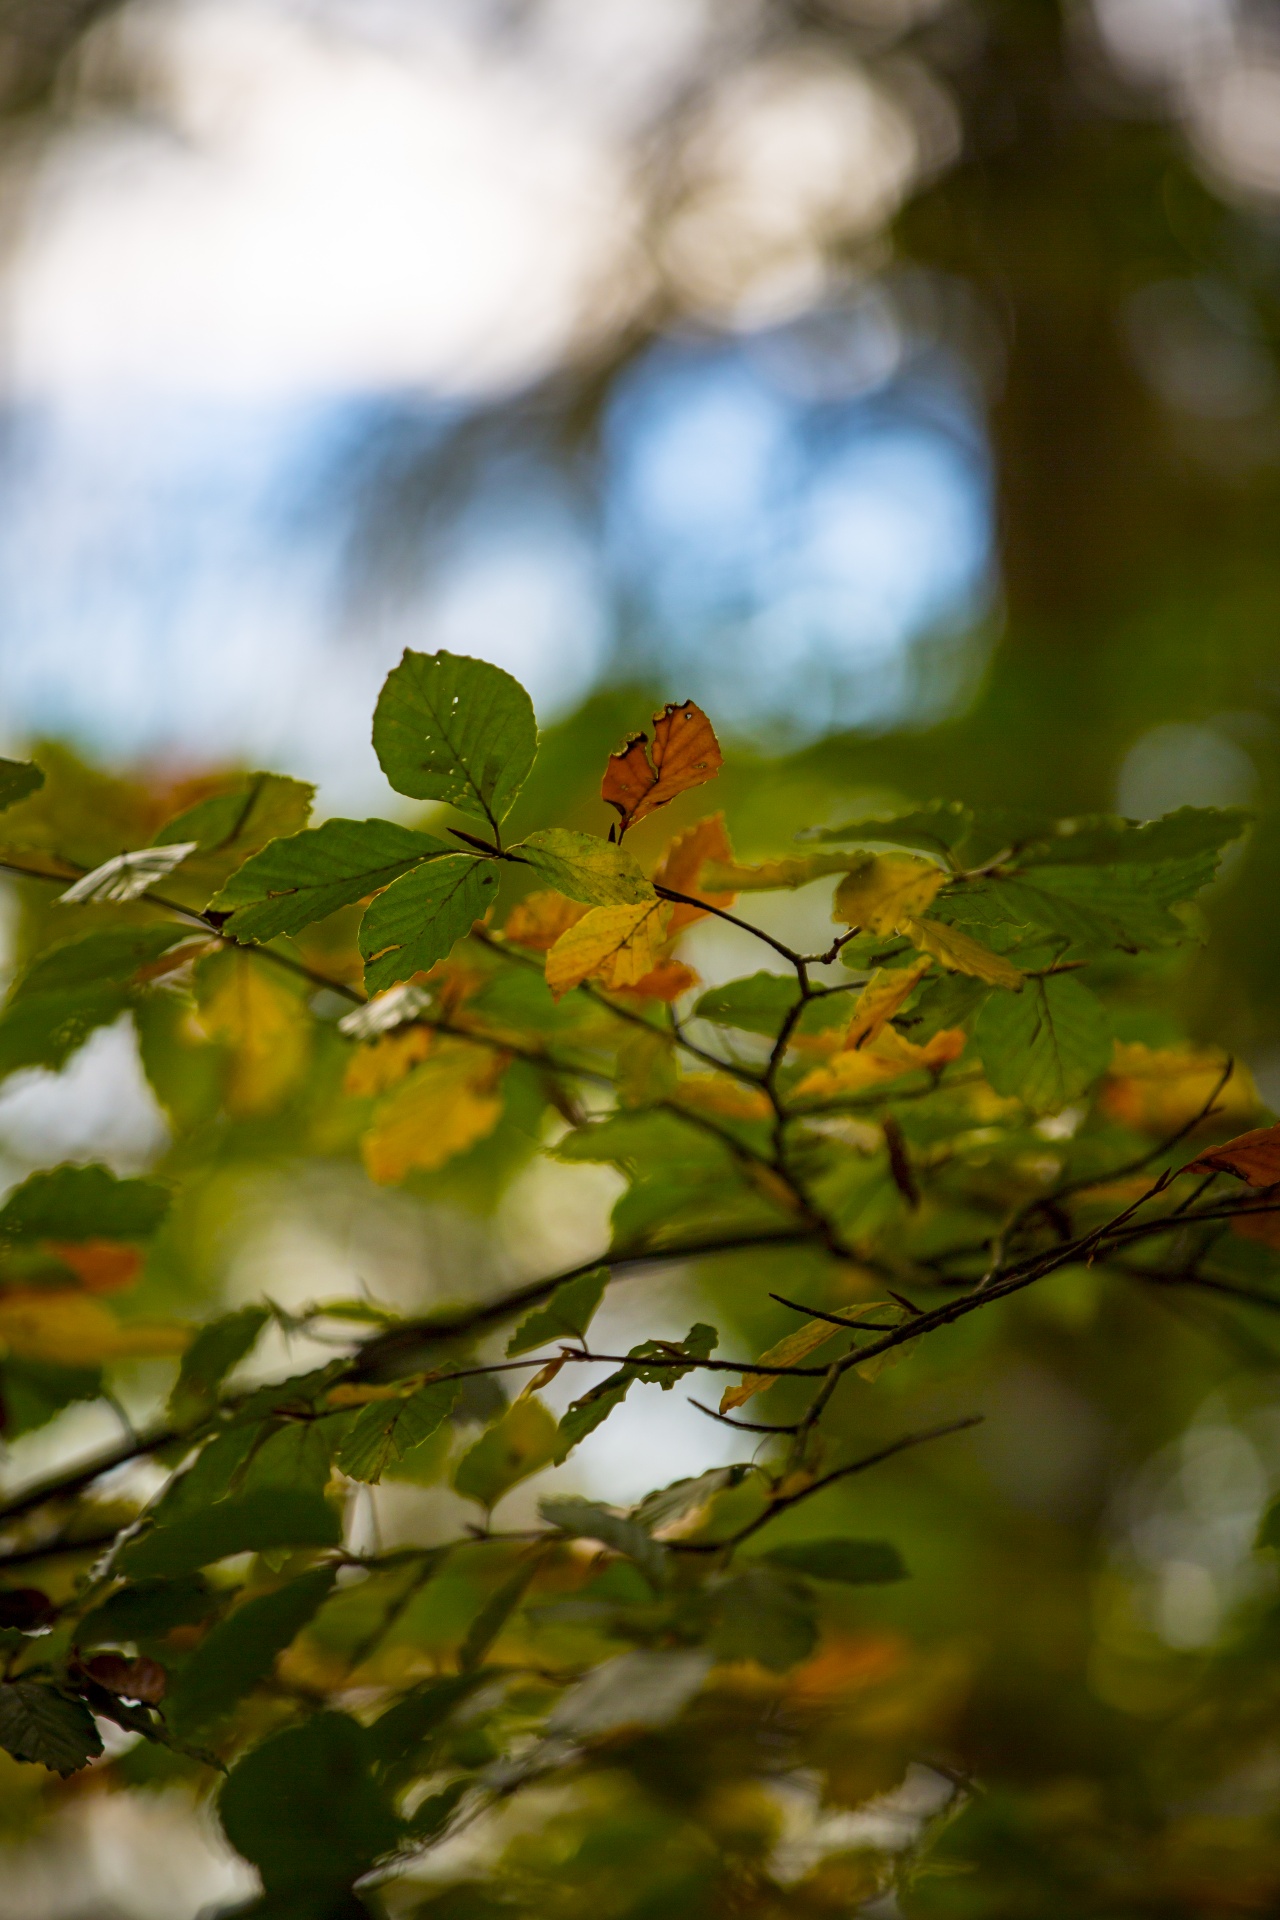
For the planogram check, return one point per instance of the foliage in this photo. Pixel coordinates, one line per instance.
(970, 1096)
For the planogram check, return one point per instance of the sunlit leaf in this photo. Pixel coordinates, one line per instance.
(680, 868)
(296, 881)
(445, 1106)
(451, 728)
(584, 868)
(617, 945)
(685, 753)
(260, 1017)
(71, 1329)
(886, 890)
(420, 917)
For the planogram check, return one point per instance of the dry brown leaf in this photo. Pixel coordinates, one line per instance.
(379, 1066)
(886, 890)
(101, 1266)
(1159, 1089)
(685, 753)
(680, 868)
(959, 953)
(667, 981)
(1254, 1157)
(787, 1353)
(539, 919)
(138, 1679)
(69, 1329)
(617, 945)
(445, 1106)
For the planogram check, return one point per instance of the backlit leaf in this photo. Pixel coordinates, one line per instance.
(539, 919)
(37, 1723)
(445, 1106)
(260, 1017)
(566, 1316)
(885, 890)
(522, 1442)
(1046, 1044)
(685, 753)
(666, 982)
(885, 994)
(584, 867)
(789, 1352)
(680, 868)
(960, 953)
(421, 916)
(451, 728)
(1253, 1157)
(296, 881)
(617, 945)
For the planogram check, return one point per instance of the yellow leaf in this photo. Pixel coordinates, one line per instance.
(1159, 1089)
(887, 1056)
(961, 954)
(72, 1330)
(539, 919)
(445, 1106)
(718, 1093)
(792, 870)
(261, 1018)
(788, 1353)
(885, 890)
(875, 1006)
(375, 1068)
(618, 945)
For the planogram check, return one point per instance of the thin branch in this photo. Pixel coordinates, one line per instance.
(704, 906)
(837, 1320)
(745, 1426)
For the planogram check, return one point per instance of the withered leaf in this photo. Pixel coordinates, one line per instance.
(685, 753)
(1254, 1157)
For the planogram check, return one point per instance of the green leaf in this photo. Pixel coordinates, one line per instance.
(18, 778)
(419, 917)
(587, 1520)
(1045, 1045)
(293, 882)
(590, 1411)
(38, 1723)
(495, 1613)
(520, 1443)
(397, 1736)
(939, 826)
(304, 1807)
(147, 1610)
(450, 728)
(32, 1392)
(210, 1357)
(45, 1029)
(768, 1615)
(83, 1203)
(109, 957)
(254, 1523)
(241, 1650)
(293, 1459)
(856, 1563)
(566, 1316)
(584, 1415)
(385, 1430)
(228, 827)
(1269, 1531)
(585, 867)
(647, 1688)
(759, 1004)
(1104, 840)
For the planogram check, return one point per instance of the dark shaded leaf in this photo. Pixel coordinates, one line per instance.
(256, 1523)
(242, 1649)
(304, 1808)
(768, 1615)
(941, 825)
(854, 1562)
(566, 1316)
(147, 1610)
(18, 778)
(495, 1613)
(587, 1520)
(385, 1430)
(38, 1723)
(520, 1443)
(83, 1203)
(206, 1363)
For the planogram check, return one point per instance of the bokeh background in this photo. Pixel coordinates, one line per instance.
(896, 377)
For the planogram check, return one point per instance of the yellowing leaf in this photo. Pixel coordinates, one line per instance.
(445, 1106)
(960, 953)
(885, 890)
(680, 868)
(685, 753)
(718, 1093)
(262, 1020)
(70, 1329)
(1159, 1089)
(618, 945)
(376, 1068)
(889, 1055)
(788, 1353)
(887, 990)
(792, 870)
(667, 981)
(539, 919)
(101, 1266)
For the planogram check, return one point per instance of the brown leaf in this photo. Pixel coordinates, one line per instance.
(101, 1266)
(25, 1608)
(1254, 1157)
(680, 867)
(140, 1679)
(667, 981)
(685, 753)
(539, 919)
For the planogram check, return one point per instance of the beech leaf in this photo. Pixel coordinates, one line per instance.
(618, 945)
(420, 917)
(1253, 1157)
(685, 753)
(447, 727)
(585, 868)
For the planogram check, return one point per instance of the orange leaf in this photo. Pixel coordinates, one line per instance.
(680, 867)
(1254, 1157)
(1159, 1089)
(880, 999)
(667, 981)
(685, 753)
(719, 1094)
(101, 1266)
(444, 1107)
(539, 919)
(140, 1679)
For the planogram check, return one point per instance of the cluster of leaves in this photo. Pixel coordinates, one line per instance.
(969, 1089)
